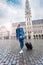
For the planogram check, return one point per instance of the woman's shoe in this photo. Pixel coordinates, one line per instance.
(21, 51)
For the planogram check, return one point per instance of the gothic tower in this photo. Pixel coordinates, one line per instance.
(28, 20)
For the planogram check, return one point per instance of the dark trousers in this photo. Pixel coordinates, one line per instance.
(21, 43)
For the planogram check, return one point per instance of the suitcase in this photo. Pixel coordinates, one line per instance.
(29, 45)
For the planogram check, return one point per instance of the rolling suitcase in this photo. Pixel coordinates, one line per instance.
(29, 45)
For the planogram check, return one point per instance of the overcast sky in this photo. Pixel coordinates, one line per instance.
(14, 10)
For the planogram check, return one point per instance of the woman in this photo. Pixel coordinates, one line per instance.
(20, 36)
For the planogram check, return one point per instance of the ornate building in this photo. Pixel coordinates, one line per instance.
(28, 20)
(4, 33)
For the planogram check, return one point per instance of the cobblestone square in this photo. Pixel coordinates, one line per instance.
(9, 53)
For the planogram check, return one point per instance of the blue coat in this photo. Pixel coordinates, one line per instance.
(20, 33)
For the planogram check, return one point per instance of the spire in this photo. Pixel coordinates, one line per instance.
(27, 5)
(27, 9)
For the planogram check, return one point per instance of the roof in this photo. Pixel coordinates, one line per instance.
(40, 21)
(22, 23)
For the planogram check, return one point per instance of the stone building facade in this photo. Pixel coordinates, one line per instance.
(37, 26)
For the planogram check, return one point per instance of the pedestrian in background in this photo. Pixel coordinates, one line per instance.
(20, 36)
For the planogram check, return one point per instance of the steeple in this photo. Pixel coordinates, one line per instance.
(27, 9)
(27, 4)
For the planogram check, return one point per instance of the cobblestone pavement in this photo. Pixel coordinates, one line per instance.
(9, 53)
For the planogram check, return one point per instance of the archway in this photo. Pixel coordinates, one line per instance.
(39, 36)
(36, 36)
